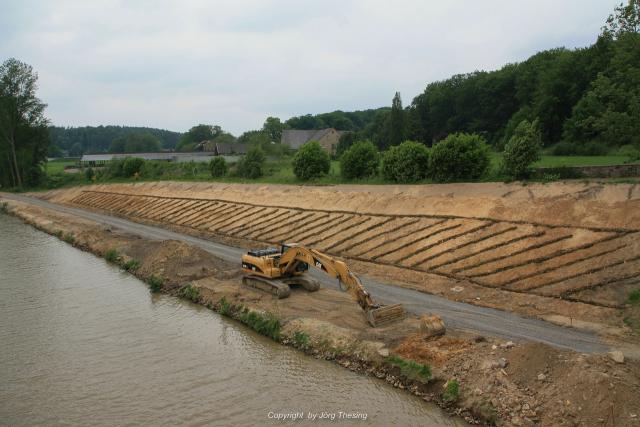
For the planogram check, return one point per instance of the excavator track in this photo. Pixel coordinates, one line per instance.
(309, 284)
(275, 287)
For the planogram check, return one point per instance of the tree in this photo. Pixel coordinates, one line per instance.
(360, 161)
(609, 113)
(523, 149)
(251, 165)
(198, 134)
(397, 129)
(23, 127)
(135, 143)
(459, 157)
(218, 167)
(132, 166)
(407, 162)
(273, 128)
(311, 161)
(625, 19)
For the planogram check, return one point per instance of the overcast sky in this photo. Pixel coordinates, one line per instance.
(173, 64)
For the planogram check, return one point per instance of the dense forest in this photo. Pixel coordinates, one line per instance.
(586, 101)
(75, 141)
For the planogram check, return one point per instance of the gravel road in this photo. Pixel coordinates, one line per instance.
(484, 321)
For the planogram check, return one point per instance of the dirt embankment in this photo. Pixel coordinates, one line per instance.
(565, 252)
(523, 384)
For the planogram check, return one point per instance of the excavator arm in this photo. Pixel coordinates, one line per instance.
(376, 314)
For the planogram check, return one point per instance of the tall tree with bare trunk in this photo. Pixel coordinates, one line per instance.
(21, 112)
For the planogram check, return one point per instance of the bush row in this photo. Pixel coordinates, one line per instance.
(459, 157)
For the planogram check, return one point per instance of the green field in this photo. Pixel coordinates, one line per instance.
(281, 172)
(57, 166)
(557, 161)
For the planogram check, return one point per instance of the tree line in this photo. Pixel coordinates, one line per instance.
(75, 141)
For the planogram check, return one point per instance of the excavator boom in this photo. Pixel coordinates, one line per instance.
(376, 314)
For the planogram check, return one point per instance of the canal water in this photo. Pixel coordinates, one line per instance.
(82, 343)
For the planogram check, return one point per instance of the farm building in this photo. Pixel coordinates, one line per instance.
(101, 159)
(328, 138)
(221, 149)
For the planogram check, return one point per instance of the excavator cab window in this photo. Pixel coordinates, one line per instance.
(302, 266)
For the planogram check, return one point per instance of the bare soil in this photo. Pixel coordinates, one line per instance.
(521, 384)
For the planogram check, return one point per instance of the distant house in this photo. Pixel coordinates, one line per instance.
(218, 149)
(328, 138)
(102, 159)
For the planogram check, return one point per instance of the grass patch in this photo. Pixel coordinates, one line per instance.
(190, 292)
(263, 323)
(131, 265)
(634, 297)
(155, 283)
(224, 307)
(410, 369)
(451, 391)
(69, 238)
(111, 255)
(301, 339)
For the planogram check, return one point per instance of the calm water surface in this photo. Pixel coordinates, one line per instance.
(82, 343)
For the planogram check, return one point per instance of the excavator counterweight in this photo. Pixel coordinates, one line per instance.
(275, 269)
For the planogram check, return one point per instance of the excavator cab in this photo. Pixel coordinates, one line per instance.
(301, 267)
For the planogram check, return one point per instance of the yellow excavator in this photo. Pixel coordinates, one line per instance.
(274, 270)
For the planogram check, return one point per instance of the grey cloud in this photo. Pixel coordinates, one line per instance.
(173, 64)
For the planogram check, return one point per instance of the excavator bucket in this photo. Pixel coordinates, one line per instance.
(386, 314)
(431, 325)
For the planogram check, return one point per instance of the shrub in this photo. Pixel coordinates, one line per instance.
(634, 297)
(69, 238)
(451, 391)
(132, 166)
(360, 161)
(311, 161)
(591, 148)
(301, 339)
(89, 174)
(522, 150)
(459, 157)
(112, 256)
(407, 162)
(563, 148)
(410, 369)
(225, 307)
(3, 207)
(218, 167)
(131, 265)
(630, 151)
(190, 292)
(155, 283)
(114, 169)
(251, 165)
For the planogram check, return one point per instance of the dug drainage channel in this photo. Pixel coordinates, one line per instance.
(456, 315)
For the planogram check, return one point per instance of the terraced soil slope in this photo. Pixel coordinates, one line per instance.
(578, 242)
